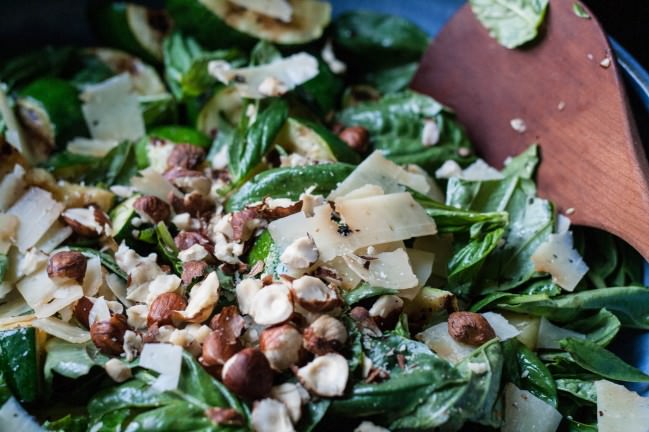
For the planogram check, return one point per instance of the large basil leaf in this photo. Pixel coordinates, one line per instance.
(527, 371)
(289, 183)
(511, 22)
(600, 361)
(371, 40)
(248, 147)
(179, 410)
(365, 291)
(322, 92)
(600, 328)
(186, 65)
(392, 79)
(629, 304)
(395, 123)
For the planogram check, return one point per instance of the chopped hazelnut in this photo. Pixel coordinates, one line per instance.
(87, 222)
(356, 137)
(300, 254)
(186, 156)
(325, 335)
(152, 209)
(470, 328)
(313, 295)
(193, 270)
(269, 415)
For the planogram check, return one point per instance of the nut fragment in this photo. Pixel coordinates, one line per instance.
(82, 310)
(152, 209)
(186, 156)
(243, 224)
(246, 291)
(300, 254)
(108, 336)
(313, 295)
(189, 180)
(325, 335)
(193, 270)
(248, 374)
(223, 342)
(386, 310)
(325, 375)
(194, 203)
(470, 328)
(356, 138)
(269, 415)
(282, 345)
(117, 370)
(293, 396)
(67, 265)
(162, 308)
(271, 305)
(186, 239)
(88, 222)
(225, 416)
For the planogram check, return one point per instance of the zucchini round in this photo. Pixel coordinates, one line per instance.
(121, 216)
(133, 28)
(50, 108)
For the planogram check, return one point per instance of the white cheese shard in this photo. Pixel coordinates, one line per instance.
(558, 257)
(91, 147)
(289, 72)
(8, 228)
(11, 187)
(280, 9)
(422, 263)
(94, 277)
(165, 359)
(62, 330)
(392, 270)
(328, 55)
(549, 335)
(438, 340)
(39, 208)
(112, 110)
(503, 329)
(430, 133)
(563, 224)
(99, 311)
(56, 235)
(371, 220)
(14, 133)
(13, 417)
(151, 182)
(526, 412)
(620, 409)
(378, 171)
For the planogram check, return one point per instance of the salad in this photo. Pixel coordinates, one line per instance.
(234, 215)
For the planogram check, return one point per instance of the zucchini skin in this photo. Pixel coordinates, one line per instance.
(20, 362)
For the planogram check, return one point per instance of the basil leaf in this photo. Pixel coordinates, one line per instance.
(395, 124)
(289, 183)
(69, 423)
(106, 259)
(600, 361)
(392, 79)
(365, 291)
(249, 147)
(511, 22)
(600, 328)
(117, 167)
(527, 371)
(579, 10)
(312, 414)
(322, 92)
(579, 388)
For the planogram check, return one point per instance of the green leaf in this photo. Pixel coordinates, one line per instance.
(289, 183)
(322, 92)
(312, 414)
(579, 388)
(117, 167)
(19, 362)
(600, 328)
(106, 259)
(167, 247)
(72, 360)
(5, 391)
(600, 361)
(511, 22)
(48, 61)
(365, 291)
(392, 79)
(368, 40)
(395, 124)
(4, 264)
(524, 165)
(69, 423)
(629, 304)
(528, 372)
(579, 10)
(250, 146)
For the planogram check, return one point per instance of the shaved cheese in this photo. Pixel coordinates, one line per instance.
(39, 208)
(438, 340)
(378, 171)
(549, 335)
(435, 192)
(99, 311)
(112, 110)
(8, 228)
(14, 133)
(527, 325)
(392, 270)
(280, 9)
(250, 82)
(481, 171)
(94, 277)
(558, 257)
(14, 305)
(563, 224)
(363, 192)
(13, 417)
(62, 330)
(503, 329)
(54, 236)
(153, 183)
(118, 287)
(11, 187)
(62, 298)
(422, 265)
(348, 277)
(526, 412)
(17, 321)
(5, 288)
(166, 360)
(91, 147)
(37, 289)
(620, 409)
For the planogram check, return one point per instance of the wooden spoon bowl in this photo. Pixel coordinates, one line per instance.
(567, 91)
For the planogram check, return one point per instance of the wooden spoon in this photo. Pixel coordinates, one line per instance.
(567, 90)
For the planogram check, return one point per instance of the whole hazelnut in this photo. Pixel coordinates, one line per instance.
(185, 156)
(248, 374)
(219, 348)
(356, 138)
(67, 265)
(470, 328)
(325, 335)
(108, 335)
(282, 345)
(162, 307)
(82, 310)
(152, 209)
